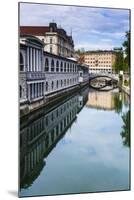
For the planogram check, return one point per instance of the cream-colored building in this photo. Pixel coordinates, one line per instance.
(99, 61)
(100, 100)
(56, 40)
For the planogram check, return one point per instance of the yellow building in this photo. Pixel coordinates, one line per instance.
(100, 100)
(99, 61)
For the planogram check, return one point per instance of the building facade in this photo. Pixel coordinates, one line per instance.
(44, 76)
(55, 39)
(39, 135)
(100, 61)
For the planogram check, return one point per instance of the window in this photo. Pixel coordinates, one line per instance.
(51, 50)
(46, 65)
(68, 67)
(21, 62)
(57, 66)
(57, 84)
(61, 83)
(46, 86)
(65, 82)
(51, 40)
(52, 85)
(20, 91)
(65, 67)
(61, 67)
(52, 66)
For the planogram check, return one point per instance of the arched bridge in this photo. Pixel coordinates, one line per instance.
(110, 76)
(99, 81)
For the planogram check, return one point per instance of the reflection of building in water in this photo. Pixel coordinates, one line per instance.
(37, 138)
(100, 100)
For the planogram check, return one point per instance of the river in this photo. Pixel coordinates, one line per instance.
(79, 145)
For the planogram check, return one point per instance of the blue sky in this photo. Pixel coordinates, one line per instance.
(92, 28)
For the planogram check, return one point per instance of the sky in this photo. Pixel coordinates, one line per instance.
(92, 28)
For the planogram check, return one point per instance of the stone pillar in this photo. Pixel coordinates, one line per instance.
(39, 59)
(59, 66)
(31, 59)
(34, 59)
(27, 59)
(32, 91)
(41, 89)
(38, 89)
(29, 92)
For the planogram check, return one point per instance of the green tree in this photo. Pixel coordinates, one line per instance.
(126, 45)
(117, 103)
(126, 129)
(119, 60)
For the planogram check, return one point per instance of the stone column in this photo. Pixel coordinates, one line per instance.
(34, 59)
(38, 89)
(27, 59)
(41, 89)
(31, 59)
(59, 66)
(39, 58)
(29, 92)
(32, 91)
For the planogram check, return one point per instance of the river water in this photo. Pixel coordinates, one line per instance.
(79, 145)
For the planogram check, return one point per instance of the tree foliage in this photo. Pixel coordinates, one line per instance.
(125, 133)
(118, 64)
(126, 45)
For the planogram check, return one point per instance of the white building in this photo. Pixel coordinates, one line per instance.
(55, 39)
(43, 75)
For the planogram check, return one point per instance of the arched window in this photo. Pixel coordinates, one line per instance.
(52, 85)
(46, 65)
(61, 83)
(20, 91)
(73, 67)
(52, 66)
(57, 84)
(68, 67)
(65, 82)
(61, 67)
(21, 62)
(57, 66)
(70, 81)
(46, 86)
(65, 67)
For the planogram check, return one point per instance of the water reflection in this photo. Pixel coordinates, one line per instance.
(42, 131)
(39, 137)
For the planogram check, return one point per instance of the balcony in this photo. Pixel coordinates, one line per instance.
(35, 75)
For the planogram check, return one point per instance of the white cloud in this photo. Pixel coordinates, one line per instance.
(89, 25)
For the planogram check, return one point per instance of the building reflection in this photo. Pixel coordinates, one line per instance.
(107, 100)
(100, 100)
(39, 135)
(40, 132)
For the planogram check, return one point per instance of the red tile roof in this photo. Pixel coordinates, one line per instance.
(34, 30)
